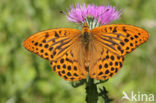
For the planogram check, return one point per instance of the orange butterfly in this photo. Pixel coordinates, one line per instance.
(97, 53)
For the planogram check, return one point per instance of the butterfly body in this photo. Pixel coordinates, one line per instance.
(97, 53)
(85, 35)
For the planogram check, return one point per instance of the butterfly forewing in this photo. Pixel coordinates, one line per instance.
(51, 44)
(119, 38)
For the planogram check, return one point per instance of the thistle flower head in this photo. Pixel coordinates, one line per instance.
(93, 15)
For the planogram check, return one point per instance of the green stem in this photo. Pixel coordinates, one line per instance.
(91, 91)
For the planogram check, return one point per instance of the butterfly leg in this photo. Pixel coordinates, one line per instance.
(102, 81)
(104, 94)
(78, 83)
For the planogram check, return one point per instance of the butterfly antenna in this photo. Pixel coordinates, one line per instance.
(62, 12)
(108, 9)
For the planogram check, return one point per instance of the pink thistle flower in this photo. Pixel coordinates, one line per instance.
(93, 15)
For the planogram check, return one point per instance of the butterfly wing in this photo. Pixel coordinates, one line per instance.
(109, 45)
(71, 65)
(62, 48)
(51, 44)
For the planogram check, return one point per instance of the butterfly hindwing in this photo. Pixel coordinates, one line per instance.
(119, 38)
(104, 63)
(71, 65)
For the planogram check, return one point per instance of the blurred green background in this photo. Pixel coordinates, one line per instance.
(27, 78)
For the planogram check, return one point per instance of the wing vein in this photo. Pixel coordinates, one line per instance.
(106, 43)
(59, 46)
(57, 41)
(111, 41)
(112, 37)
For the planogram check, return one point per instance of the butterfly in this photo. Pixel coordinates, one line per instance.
(77, 54)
